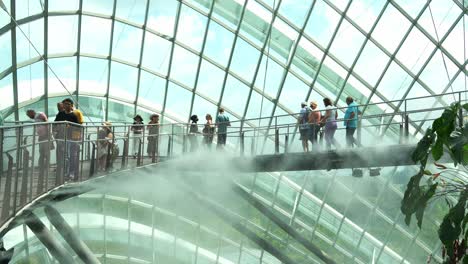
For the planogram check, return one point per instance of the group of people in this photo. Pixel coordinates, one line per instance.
(208, 132)
(66, 139)
(311, 121)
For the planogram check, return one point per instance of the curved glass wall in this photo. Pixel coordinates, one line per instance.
(256, 59)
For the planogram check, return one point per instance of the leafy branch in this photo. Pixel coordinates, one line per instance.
(443, 137)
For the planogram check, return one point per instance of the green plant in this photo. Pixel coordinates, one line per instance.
(443, 137)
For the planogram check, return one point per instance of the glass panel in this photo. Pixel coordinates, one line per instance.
(123, 81)
(255, 23)
(178, 102)
(235, 95)
(295, 11)
(210, 80)
(104, 7)
(95, 35)
(119, 111)
(371, 55)
(5, 51)
(62, 35)
(201, 107)
(228, 14)
(282, 37)
(306, 60)
(161, 16)
(415, 50)
(411, 7)
(26, 8)
(293, 88)
(152, 89)
(259, 107)
(35, 33)
(191, 28)
(364, 13)
(454, 43)
(59, 5)
(443, 16)
(341, 4)
(435, 74)
(244, 60)
(394, 83)
(133, 11)
(126, 44)
(391, 29)
(271, 80)
(31, 82)
(156, 53)
(93, 76)
(65, 69)
(347, 43)
(6, 90)
(218, 43)
(184, 66)
(4, 17)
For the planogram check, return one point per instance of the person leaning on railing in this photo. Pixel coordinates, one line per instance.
(153, 135)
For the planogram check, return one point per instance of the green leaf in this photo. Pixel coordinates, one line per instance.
(451, 225)
(423, 146)
(438, 149)
(458, 143)
(465, 106)
(427, 172)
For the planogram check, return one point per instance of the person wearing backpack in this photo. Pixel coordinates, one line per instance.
(304, 127)
(222, 122)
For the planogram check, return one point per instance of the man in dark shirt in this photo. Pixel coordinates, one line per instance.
(72, 146)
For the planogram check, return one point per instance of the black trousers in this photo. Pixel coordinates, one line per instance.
(350, 141)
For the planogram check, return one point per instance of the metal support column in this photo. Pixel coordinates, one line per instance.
(276, 141)
(80, 248)
(48, 239)
(242, 143)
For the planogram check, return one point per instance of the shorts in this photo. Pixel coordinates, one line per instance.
(304, 133)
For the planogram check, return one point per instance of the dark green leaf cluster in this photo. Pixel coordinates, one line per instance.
(443, 136)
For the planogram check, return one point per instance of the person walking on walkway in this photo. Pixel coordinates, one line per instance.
(153, 136)
(193, 131)
(222, 122)
(351, 121)
(208, 131)
(314, 122)
(329, 121)
(137, 129)
(304, 127)
(45, 143)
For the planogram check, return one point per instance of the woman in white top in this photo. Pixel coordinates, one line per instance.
(329, 120)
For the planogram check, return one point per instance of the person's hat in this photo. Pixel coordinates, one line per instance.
(107, 124)
(194, 118)
(153, 115)
(313, 102)
(304, 103)
(138, 116)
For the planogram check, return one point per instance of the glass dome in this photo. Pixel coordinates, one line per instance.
(255, 58)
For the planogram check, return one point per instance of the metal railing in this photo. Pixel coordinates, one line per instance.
(37, 157)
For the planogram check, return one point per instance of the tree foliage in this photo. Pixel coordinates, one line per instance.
(443, 137)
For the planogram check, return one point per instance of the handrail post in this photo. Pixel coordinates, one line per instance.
(169, 145)
(242, 134)
(139, 152)
(276, 140)
(123, 164)
(7, 190)
(286, 143)
(406, 128)
(92, 166)
(18, 164)
(359, 131)
(24, 179)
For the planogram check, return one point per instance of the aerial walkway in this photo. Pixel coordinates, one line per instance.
(31, 166)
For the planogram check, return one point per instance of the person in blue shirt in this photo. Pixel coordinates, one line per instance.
(222, 122)
(351, 121)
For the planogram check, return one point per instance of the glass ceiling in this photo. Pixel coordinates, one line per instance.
(257, 59)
